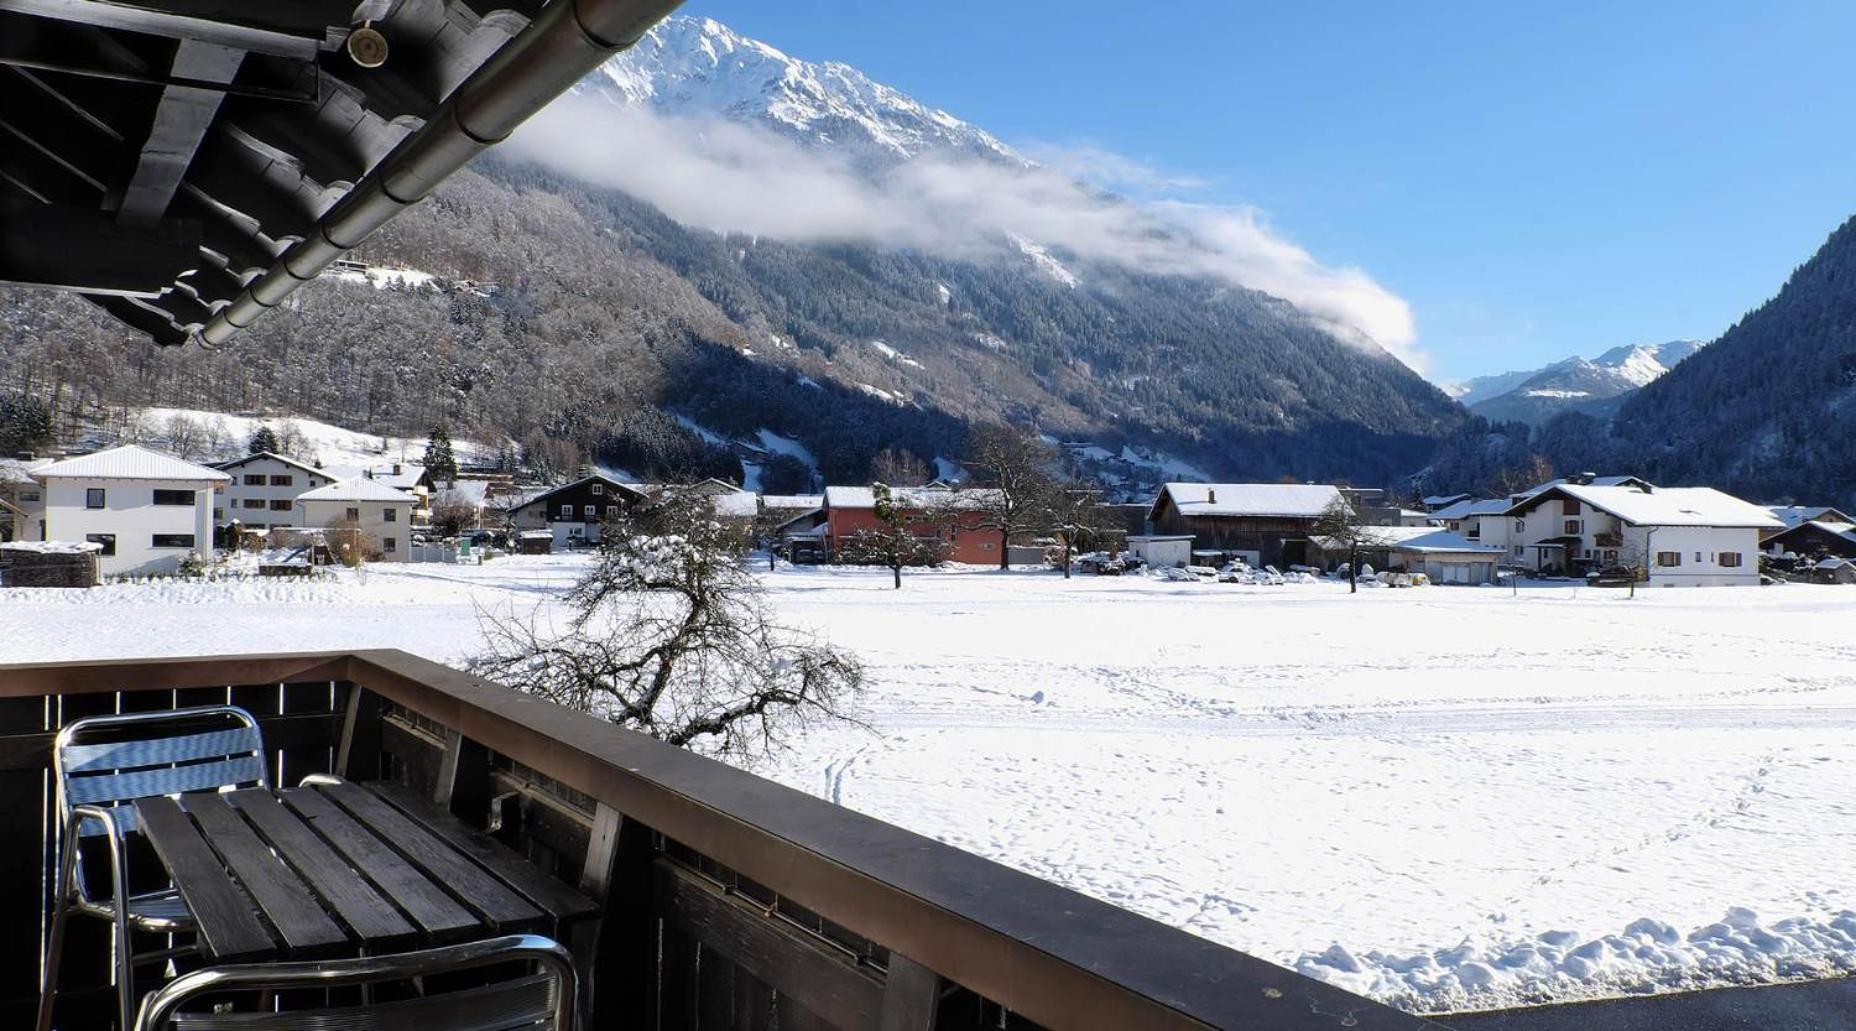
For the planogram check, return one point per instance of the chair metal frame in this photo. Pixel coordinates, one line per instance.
(162, 911)
(160, 1011)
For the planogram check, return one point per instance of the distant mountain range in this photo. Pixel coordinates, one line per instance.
(1594, 386)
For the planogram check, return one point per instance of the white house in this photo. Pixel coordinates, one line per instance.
(382, 514)
(22, 500)
(264, 490)
(1681, 536)
(148, 510)
(1444, 555)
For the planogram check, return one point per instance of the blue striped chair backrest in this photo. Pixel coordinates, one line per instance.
(145, 757)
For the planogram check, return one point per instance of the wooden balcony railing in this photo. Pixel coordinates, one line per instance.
(729, 901)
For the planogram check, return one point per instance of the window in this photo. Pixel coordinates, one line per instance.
(93, 497)
(1698, 559)
(391, 515)
(599, 489)
(567, 511)
(1611, 556)
(592, 511)
(1520, 526)
(1570, 507)
(28, 495)
(353, 515)
(172, 540)
(1730, 559)
(389, 544)
(284, 480)
(218, 514)
(253, 503)
(174, 497)
(108, 540)
(254, 479)
(1573, 526)
(1668, 559)
(280, 505)
(1517, 551)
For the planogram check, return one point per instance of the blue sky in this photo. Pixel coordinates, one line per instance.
(1535, 183)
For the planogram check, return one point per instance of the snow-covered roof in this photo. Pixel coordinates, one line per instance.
(911, 497)
(129, 462)
(1670, 506)
(1847, 531)
(359, 488)
(795, 502)
(1596, 481)
(1437, 501)
(275, 457)
(1472, 507)
(740, 504)
(406, 479)
(1794, 515)
(551, 491)
(16, 470)
(1415, 539)
(1288, 500)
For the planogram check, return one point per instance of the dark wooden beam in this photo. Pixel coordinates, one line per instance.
(181, 121)
(286, 28)
(67, 248)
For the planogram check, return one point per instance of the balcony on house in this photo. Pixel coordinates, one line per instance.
(724, 900)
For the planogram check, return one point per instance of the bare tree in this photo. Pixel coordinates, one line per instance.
(909, 537)
(452, 513)
(672, 636)
(1017, 466)
(1078, 519)
(898, 467)
(1342, 526)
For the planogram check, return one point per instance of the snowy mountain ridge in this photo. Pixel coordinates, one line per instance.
(1596, 385)
(697, 67)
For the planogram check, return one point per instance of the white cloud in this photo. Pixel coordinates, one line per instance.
(729, 177)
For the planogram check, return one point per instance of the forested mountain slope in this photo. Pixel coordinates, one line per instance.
(1769, 409)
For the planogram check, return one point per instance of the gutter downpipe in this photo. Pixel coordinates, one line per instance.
(569, 39)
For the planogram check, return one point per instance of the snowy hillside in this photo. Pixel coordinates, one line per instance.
(698, 67)
(211, 436)
(1592, 385)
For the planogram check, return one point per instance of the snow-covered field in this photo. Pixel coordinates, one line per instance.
(1445, 798)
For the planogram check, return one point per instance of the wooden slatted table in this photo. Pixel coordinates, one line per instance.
(345, 869)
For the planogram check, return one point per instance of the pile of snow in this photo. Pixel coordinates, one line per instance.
(51, 547)
(893, 355)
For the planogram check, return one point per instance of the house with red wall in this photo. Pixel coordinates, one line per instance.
(958, 517)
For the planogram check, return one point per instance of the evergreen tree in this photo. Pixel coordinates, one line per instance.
(263, 439)
(25, 423)
(440, 463)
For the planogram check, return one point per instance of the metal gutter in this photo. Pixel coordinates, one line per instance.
(569, 39)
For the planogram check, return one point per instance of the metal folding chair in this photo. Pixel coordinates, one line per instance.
(535, 993)
(102, 765)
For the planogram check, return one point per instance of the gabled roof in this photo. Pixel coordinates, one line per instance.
(610, 483)
(1278, 500)
(1847, 531)
(275, 457)
(129, 462)
(1437, 501)
(1471, 507)
(471, 492)
(18, 470)
(1665, 506)
(923, 498)
(1793, 515)
(358, 489)
(1596, 481)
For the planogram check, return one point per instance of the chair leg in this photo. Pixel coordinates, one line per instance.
(54, 948)
(124, 953)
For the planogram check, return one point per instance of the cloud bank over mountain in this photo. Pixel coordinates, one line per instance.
(870, 174)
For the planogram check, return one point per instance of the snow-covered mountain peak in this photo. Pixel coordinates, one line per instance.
(698, 67)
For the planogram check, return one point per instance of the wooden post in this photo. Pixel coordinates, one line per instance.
(911, 996)
(463, 782)
(358, 755)
(618, 953)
